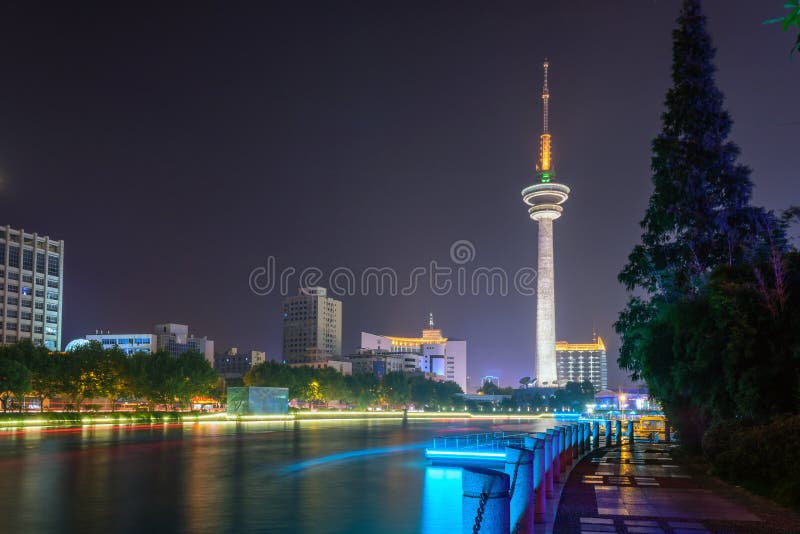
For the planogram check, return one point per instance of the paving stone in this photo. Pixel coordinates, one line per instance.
(645, 530)
(640, 523)
(597, 520)
(686, 524)
(599, 528)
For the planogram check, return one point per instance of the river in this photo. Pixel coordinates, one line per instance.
(320, 477)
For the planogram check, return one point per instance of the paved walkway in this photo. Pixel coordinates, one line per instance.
(643, 491)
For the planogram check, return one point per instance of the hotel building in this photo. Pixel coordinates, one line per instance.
(577, 362)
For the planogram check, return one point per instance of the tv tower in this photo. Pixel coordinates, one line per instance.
(545, 199)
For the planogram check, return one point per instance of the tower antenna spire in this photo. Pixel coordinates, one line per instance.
(545, 166)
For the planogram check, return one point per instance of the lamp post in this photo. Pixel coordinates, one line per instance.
(622, 399)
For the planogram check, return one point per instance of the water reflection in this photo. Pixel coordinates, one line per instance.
(322, 477)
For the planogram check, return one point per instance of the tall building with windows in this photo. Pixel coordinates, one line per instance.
(577, 362)
(31, 287)
(312, 326)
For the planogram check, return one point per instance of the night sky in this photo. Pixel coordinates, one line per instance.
(175, 147)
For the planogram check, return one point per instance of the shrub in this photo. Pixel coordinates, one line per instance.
(764, 458)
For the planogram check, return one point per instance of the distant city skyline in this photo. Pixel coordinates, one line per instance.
(174, 150)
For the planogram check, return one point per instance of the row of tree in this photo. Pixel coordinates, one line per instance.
(574, 396)
(360, 390)
(714, 323)
(91, 372)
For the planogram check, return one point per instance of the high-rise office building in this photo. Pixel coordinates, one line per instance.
(31, 288)
(577, 362)
(312, 326)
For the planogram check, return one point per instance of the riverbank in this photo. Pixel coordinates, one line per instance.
(22, 421)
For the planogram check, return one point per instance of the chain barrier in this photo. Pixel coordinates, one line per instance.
(479, 515)
(514, 479)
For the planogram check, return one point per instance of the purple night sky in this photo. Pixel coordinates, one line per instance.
(174, 148)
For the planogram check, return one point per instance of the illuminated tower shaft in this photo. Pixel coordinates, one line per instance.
(545, 199)
(546, 372)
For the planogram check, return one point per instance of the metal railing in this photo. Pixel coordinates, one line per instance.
(484, 441)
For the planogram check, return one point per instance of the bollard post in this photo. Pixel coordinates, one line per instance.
(548, 462)
(608, 433)
(596, 434)
(556, 468)
(667, 437)
(618, 432)
(539, 490)
(630, 434)
(519, 466)
(485, 502)
(579, 444)
(562, 447)
(587, 433)
(575, 439)
(566, 452)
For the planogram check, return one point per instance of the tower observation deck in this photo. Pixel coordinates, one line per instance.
(545, 200)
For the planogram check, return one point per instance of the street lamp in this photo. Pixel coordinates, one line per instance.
(622, 399)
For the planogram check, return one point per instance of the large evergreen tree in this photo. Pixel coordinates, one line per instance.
(699, 220)
(699, 215)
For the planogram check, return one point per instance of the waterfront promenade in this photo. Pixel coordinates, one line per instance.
(648, 490)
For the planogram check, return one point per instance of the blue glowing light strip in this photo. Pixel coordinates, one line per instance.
(466, 455)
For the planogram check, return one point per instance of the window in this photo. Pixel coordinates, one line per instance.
(25, 315)
(27, 259)
(26, 303)
(11, 339)
(25, 327)
(39, 318)
(28, 279)
(52, 319)
(39, 306)
(11, 314)
(39, 264)
(50, 331)
(13, 288)
(26, 291)
(52, 283)
(52, 265)
(40, 293)
(52, 295)
(37, 329)
(2, 253)
(13, 256)
(13, 276)
(52, 307)
(13, 301)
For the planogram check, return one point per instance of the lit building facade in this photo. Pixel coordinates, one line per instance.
(430, 353)
(377, 362)
(235, 363)
(31, 288)
(489, 379)
(582, 361)
(127, 343)
(545, 200)
(175, 339)
(312, 327)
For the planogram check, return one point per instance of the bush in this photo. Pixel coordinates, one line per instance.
(764, 458)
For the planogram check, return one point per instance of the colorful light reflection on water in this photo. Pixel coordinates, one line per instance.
(321, 477)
